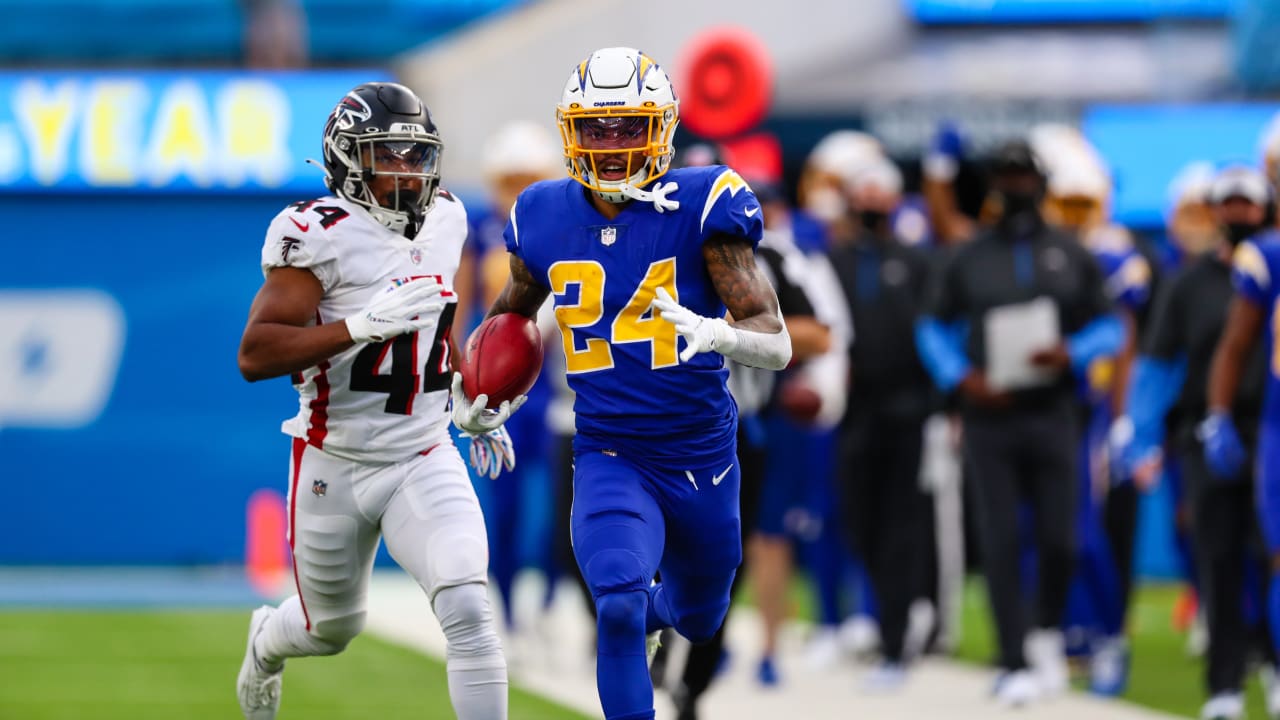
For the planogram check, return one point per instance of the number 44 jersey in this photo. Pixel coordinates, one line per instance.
(376, 401)
(633, 394)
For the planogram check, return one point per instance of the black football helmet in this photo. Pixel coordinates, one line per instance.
(383, 128)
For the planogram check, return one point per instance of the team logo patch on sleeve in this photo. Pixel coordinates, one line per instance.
(288, 245)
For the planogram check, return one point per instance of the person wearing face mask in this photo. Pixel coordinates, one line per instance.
(1170, 380)
(1017, 403)
(882, 433)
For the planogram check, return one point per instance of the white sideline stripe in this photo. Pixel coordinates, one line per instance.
(561, 670)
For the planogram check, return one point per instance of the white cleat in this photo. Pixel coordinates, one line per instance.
(823, 649)
(860, 636)
(885, 678)
(1048, 659)
(1016, 689)
(1223, 706)
(258, 690)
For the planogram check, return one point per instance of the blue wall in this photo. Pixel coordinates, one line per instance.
(164, 473)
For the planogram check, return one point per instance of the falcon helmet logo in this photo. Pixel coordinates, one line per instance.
(351, 109)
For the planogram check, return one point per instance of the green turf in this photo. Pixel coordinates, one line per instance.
(166, 665)
(1162, 675)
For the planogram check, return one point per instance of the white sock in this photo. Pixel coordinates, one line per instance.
(476, 667)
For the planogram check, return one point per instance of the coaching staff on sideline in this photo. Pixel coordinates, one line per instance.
(1020, 444)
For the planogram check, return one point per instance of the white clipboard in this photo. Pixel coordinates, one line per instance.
(1013, 333)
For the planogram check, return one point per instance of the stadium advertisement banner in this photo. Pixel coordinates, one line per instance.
(1053, 11)
(1147, 146)
(166, 131)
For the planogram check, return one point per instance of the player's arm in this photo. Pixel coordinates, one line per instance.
(522, 294)
(1244, 325)
(757, 337)
(277, 340)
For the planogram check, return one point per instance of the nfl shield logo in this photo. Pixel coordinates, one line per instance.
(319, 487)
(608, 236)
(415, 255)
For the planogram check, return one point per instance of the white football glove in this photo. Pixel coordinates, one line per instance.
(492, 451)
(472, 417)
(701, 334)
(399, 309)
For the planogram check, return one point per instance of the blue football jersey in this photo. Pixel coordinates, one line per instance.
(633, 393)
(1256, 275)
(1127, 272)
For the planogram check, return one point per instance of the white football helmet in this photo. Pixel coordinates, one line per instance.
(617, 116)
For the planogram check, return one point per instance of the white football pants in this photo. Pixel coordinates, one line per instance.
(427, 512)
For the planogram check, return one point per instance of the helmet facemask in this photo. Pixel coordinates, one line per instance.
(606, 148)
(406, 155)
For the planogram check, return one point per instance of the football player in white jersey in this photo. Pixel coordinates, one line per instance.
(357, 307)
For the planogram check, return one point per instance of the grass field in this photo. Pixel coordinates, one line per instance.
(166, 665)
(1162, 676)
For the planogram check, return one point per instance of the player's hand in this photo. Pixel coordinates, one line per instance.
(492, 451)
(975, 389)
(473, 418)
(1224, 453)
(1131, 460)
(1053, 358)
(701, 334)
(399, 309)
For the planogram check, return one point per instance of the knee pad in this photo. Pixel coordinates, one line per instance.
(701, 625)
(467, 620)
(620, 618)
(614, 571)
(334, 634)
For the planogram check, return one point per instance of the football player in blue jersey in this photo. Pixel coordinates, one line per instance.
(642, 262)
(1252, 314)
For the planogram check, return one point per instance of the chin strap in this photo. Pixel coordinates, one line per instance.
(657, 196)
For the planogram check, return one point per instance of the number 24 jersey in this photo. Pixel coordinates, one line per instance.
(381, 402)
(632, 391)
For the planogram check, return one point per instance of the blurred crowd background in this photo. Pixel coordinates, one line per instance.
(144, 146)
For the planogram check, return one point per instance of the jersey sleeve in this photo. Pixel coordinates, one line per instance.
(293, 240)
(731, 208)
(1250, 273)
(1130, 283)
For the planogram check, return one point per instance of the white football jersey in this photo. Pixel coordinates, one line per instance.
(375, 401)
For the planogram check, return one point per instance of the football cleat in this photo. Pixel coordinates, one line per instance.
(1047, 655)
(258, 689)
(1016, 688)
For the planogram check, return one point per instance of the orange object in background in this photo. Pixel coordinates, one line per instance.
(1184, 610)
(266, 548)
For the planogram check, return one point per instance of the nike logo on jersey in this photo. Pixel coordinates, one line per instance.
(301, 226)
(715, 479)
(751, 212)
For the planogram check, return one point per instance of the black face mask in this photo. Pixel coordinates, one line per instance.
(1017, 203)
(873, 220)
(1239, 232)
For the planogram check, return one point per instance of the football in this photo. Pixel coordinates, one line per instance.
(502, 358)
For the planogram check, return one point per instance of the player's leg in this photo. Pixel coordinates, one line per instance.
(704, 547)
(434, 529)
(618, 535)
(333, 547)
(1055, 482)
(1268, 503)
